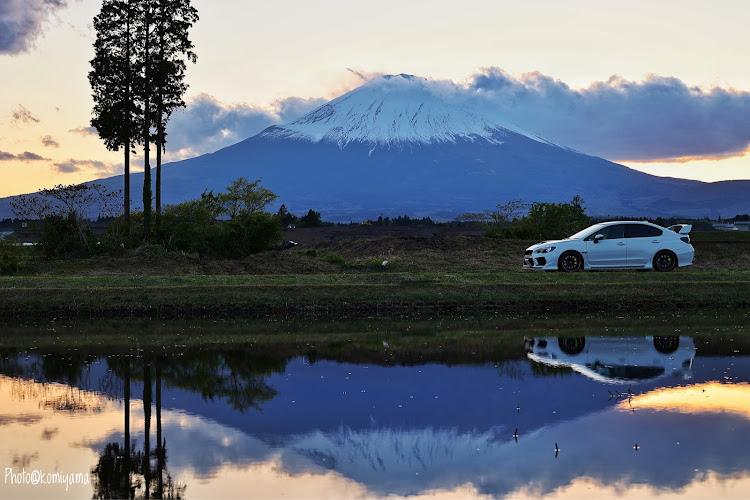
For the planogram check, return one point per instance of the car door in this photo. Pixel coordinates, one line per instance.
(642, 243)
(611, 251)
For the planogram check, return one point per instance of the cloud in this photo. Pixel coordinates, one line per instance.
(21, 22)
(21, 114)
(657, 119)
(25, 156)
(48, 141)
(291, 108)
(71, 166)
(84, 131)
(206, 124)
(364, 76)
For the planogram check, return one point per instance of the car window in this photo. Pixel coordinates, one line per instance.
(588, 231)
(614, 232)
(641, 231)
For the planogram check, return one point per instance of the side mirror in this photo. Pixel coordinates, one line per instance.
(598, 238)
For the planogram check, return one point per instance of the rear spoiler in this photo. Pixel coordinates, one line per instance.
(681, 228)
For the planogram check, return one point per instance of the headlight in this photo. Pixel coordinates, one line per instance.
(544, 250)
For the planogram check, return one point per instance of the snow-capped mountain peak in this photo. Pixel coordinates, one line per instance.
(395, 110)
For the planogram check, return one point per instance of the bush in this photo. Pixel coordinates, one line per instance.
(190, 227)
(312, 219)
(544, 221)
(64, 235)
(11, 260)
(333, 258)
(550, 221)
(250, 233)
(193, 227)
(63, 212)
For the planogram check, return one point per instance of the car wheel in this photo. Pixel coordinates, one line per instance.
(666, 345)
(570, 262)
(665, 261)
(571, 345)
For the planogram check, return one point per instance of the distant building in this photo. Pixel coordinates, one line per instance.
(743, 226)
(721, 226)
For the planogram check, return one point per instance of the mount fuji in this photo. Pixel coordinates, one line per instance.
(406, 145)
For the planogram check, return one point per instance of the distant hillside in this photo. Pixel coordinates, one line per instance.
(397, 145)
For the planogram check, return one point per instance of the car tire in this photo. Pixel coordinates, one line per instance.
(571, 345)
(665, 261)
(666, 345)
(570, 261)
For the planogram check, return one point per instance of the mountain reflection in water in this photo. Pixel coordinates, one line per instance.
(240, 422)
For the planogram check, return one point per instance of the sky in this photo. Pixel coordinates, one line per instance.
(661, 86)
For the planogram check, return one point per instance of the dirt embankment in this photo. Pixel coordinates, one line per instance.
(358, 248)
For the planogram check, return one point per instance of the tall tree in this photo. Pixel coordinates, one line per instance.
(117, 116)
(137, 77)
(146, 89)
(173, 20)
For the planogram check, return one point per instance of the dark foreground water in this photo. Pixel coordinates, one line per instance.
(653, 413)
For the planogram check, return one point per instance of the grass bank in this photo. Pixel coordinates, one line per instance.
(453, 339)
(355, 294)
(423, 275)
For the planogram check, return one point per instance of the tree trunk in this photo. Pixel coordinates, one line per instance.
(161, 78)
(146, 128)
(159, 146)
(146, 464)
(126, 396)
(126, 193)
(160, 451)
(128, 118)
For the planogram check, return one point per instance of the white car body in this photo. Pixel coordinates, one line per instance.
(617, 360)
(615, 245)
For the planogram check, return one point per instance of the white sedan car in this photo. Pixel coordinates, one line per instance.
(617, 360)
(615, 245)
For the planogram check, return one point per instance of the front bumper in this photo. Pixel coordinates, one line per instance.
(544, 261)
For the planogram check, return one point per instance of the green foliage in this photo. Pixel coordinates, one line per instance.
(190, 227)
(63, 235)
(286, 216)
(244, 197)
(543, 221)
(11, 257)
(334, 258)
(200, 226)
(250, 233)
(401, 221)
(116, 115)
(312, 219)
(549, 221)
(64, 213)
(137, 79)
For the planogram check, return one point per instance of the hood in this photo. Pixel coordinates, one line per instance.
(546, 243)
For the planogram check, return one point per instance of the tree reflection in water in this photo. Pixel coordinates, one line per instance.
(124, 470)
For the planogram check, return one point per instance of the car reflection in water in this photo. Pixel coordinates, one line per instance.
(617, 359)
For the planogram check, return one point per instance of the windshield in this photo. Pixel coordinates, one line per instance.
(585, 232)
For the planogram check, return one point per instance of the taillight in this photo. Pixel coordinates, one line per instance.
(686, 239)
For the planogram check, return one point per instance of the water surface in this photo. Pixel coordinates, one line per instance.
(634, 411)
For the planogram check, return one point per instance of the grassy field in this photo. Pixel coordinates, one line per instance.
(452, 339)
(347, 278)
